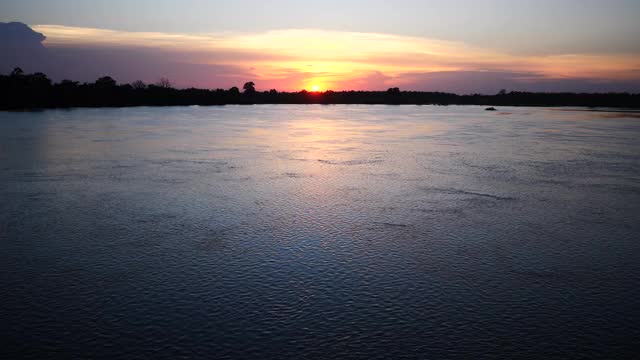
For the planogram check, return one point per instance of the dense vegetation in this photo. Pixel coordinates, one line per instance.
(27, 91)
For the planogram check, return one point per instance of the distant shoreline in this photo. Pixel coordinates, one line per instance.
(36, 91)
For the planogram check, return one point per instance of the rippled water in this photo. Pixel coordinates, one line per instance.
(318, 232)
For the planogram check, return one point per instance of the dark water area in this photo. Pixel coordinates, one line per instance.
(317, 232)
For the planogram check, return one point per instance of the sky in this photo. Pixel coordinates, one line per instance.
(462, 46)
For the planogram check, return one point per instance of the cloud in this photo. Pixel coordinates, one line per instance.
(299, 58)
(374, 80)
(19, 46)
(19, 35)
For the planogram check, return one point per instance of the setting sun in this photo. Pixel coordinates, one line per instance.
(315, 88)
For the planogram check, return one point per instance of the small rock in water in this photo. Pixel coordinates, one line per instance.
(490, 109)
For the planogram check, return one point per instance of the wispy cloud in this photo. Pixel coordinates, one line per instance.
(296, 58)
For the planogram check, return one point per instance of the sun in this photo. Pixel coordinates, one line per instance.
(315, 88)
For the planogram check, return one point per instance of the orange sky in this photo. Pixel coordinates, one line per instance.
(339, 60)
(301, 58)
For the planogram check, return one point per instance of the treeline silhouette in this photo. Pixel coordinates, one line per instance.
(30, 91)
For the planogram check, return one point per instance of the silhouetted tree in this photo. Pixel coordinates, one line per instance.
(393, 91)
(138, 85)
(106, 82)
(249, 88)
(234, 91)
(68, 84)
(39, 79)
(164, 83)
(17, 72)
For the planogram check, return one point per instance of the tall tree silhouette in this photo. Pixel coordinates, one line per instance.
(164, 83)
(249, 88)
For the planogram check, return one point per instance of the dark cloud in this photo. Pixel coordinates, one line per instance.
(18, 35)
(20, 46)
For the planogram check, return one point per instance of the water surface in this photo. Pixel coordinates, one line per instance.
(318, 232)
